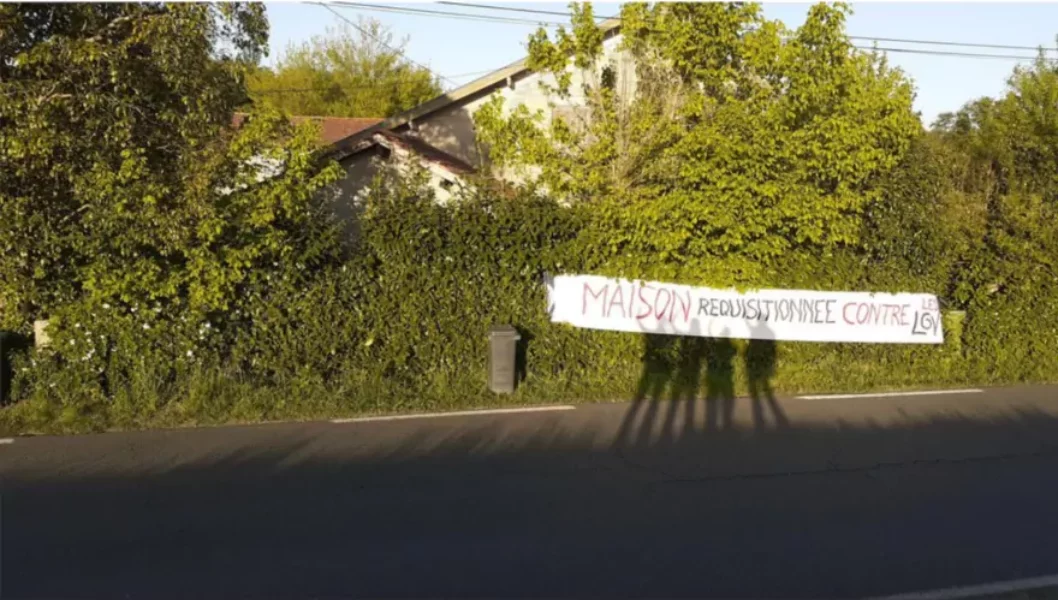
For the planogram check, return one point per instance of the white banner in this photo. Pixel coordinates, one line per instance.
(595, 302)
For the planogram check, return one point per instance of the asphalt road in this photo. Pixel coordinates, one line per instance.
(796, 498)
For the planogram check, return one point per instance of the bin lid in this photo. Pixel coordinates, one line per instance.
(504, 331)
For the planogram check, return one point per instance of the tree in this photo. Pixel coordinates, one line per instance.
(121, 182)
(1009, 147)
(348, 72)
(738, 140)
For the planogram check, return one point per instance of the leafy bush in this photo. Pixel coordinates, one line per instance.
(184, 287)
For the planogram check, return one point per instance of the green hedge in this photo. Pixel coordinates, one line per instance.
(180, 288)
(402, 325)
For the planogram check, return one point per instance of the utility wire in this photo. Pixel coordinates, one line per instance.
(381, 41)
(866, 48)
(535, 11)
(459, 75)
(944, 43)
(444, 14)
(451, 78)
(851, 37)
(491, 18)
(947, 53)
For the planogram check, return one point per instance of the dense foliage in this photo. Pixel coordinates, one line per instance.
(1009, 149)
(345, 73)
(735, 142)
(131, 216)
(190, 277)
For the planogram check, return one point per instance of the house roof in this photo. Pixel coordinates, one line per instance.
(609, 27)
(425, 151)
(332, 129)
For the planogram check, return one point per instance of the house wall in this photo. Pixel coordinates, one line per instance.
(452, 128)
(346, 196)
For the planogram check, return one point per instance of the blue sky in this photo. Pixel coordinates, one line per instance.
(461, 49)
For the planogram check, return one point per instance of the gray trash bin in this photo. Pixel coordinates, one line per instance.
(503, 356)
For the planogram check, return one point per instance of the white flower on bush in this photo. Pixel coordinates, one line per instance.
(146, 326)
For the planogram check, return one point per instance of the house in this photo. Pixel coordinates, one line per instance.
(383, 146)
(439, 134)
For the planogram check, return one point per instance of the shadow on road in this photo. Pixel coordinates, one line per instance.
(761, 358)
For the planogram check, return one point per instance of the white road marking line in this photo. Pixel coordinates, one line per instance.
(457, 413)
(986, 589)
(7, 441)
(890, 394)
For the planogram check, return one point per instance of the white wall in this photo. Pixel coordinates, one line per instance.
(452, 128)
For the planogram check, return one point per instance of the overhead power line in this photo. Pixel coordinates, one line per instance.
(490, 18)
(383, 42)
(444, 14)
(946, 53)
(852, 37)
(944, 43)
(459, 75)
(487, 18)
(536, 11)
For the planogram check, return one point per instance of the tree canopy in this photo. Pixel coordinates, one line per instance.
(348, 72)
(1008, 149)
(121, 181)
(734, 138)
